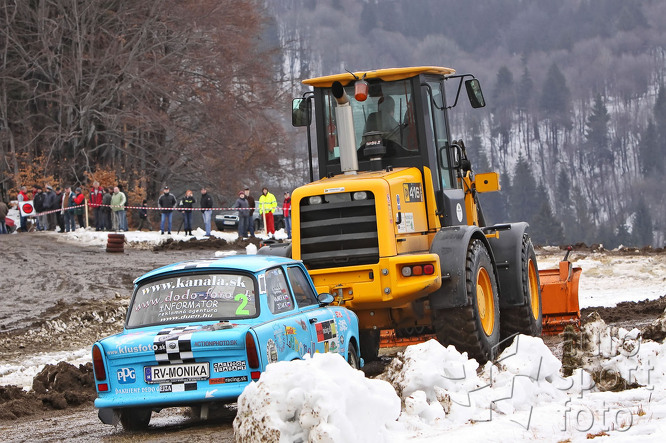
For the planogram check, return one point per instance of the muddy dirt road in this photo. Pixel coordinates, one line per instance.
(61, 296)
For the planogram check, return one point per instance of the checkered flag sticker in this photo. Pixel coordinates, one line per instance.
(174, 345)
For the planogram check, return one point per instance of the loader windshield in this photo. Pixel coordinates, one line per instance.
(387, 112)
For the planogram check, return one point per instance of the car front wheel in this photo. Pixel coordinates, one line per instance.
(352, 357)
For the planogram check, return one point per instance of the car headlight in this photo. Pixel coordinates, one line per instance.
(360, 195)
(315, 200)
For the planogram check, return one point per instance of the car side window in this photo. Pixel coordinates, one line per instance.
(277, 292)
(301, 287)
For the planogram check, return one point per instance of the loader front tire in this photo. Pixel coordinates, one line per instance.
(526, 318)
(473, 328)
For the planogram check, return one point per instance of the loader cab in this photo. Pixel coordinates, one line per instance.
(400, 121)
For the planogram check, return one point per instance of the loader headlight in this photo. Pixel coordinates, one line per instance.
(315, 200)
(360, 195)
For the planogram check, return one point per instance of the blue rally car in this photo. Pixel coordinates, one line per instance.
(198, 332)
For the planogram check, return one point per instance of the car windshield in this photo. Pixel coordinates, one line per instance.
(193, 297)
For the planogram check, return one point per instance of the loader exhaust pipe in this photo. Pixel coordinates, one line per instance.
(345, 126)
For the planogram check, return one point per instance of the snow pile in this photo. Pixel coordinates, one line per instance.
(319, 399)
(618, 358)
(438, 391)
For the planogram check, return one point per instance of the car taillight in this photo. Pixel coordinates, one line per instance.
(416, 270)
(251, 348)
(98, 363)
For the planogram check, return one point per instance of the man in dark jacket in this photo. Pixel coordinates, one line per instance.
(250, 202)
(166, 203)
(50, 204)
(106, 210)
(60, 219)
(206, 205)
(243, 214)
(38, 201)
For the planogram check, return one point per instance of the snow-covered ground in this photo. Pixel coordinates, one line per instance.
(430, 393)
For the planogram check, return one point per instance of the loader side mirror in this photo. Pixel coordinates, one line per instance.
(474, 93)
(301, 112)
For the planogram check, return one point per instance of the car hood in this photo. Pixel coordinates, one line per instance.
(146, 342)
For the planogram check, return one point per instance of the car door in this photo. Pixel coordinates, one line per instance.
(290, 331)
(322, 326)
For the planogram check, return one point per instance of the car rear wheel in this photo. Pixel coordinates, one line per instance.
(352, 357)
(135, 419)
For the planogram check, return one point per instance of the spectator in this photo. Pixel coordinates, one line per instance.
(206, 205)
(23, 197)
(67, 201)
(250, 201)
(243, 214)
(286, 211)
(123, 215)
(96, 200)
(50, 204)
(79, 201)
(118, 201)
(4, 209)
(38, 203)
(166, 203)
(188, 202)
(107, 224)
(143, 216)
(57, 206)
(267, 205)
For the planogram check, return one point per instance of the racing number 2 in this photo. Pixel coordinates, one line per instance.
(241, 308)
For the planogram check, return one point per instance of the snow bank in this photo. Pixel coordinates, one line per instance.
(429, 391)
(319, 399)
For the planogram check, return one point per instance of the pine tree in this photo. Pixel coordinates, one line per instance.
(596, 133)
(502, 106)
(556, 97)
(546, 229)
(648, 151)
(642, 232)
(524, 200)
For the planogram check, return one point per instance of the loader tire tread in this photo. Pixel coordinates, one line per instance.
(461, 326)
(519, 319)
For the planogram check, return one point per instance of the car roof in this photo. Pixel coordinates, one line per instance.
(249, 263)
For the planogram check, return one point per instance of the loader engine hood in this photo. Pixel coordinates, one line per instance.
(346, 221)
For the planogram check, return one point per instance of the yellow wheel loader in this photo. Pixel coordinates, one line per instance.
(393, 228)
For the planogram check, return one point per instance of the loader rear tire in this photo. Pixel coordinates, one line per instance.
(526, 318)
(473, 328)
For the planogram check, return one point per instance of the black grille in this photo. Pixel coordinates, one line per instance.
(339, 233)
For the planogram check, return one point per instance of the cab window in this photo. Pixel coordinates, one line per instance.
(277, 292)
(300, 285)
(387, 110)
(437, 134)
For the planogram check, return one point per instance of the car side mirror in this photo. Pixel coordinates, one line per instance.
(325, 299)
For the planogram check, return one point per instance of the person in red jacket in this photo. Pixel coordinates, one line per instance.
(286, 211)
(79, 198)
(96, 196)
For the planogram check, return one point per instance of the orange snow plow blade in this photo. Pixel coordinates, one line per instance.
(559, 297)
(389, 339)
